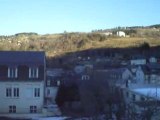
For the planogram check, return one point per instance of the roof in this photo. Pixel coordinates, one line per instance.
(22, 58)
(154, 66)
(138, 57)
(144, 68)
(54, 72)
(149, 92)
(118, 70)
(114, 70)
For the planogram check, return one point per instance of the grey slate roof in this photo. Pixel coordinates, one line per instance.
(154, 66)
(22, 58)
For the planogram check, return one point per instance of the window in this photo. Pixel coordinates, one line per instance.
(133, 97)
(12, 92)
(16, 92)
(85, 77)
(12, 109)
(33, 72)
(12, 72)
(37, 92)
(48, 82)
(8, 92)
(48, 91)
(33, 109)
(58, 83)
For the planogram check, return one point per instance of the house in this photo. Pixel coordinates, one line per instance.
(145, 74)
(116, 76)
(51, 91)
(53, 80)
(140, 98)
(154, 74)
(121, 34)
(121, 74)
(138, 75)
(22, 80)
(153, 60)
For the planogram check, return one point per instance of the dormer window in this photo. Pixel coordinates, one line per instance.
(85, 77)
(33, 72)
(12, 72)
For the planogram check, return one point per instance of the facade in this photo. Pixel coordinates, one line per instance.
(53, 81)
(152, 75)
(50, 94)
(120, 74)
(140, 99)
(22, 79)
(140, 77)
(138, 62)
(115, 76)
(51, 90)
(153, 60)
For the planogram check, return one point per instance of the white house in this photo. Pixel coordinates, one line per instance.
(22, 80)
(121, 34)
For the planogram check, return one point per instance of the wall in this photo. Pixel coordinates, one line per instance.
(138, 62)
(126, 74)
(140, 76)
(52, 94)
(25, 99)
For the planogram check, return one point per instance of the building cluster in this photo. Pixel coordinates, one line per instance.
(28, 87)
(138, 79)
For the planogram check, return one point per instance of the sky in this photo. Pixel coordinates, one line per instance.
(57, 16)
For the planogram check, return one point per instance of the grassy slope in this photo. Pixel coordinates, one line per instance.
(58, 44)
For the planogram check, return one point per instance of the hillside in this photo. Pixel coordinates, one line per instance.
(59, 44)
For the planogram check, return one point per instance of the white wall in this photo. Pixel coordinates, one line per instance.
(140, 76)
(121, 34)
(126, 74)
(52, 92)
(138, 62)
(152, 60)
(25, 99)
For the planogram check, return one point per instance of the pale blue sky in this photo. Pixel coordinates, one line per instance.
(56, 16)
